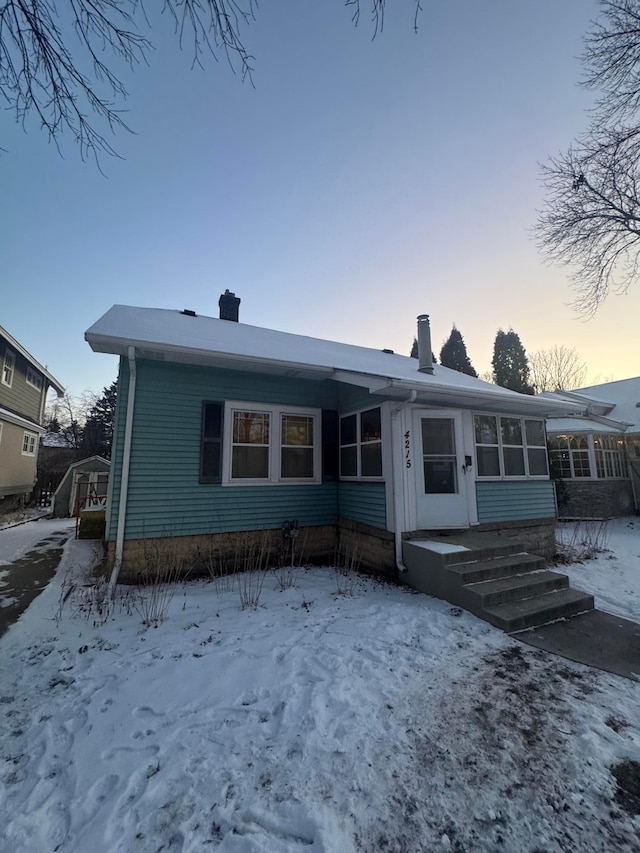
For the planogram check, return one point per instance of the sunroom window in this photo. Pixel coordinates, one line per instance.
(361, 444)
(510, 447)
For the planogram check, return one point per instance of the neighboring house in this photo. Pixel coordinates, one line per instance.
(225, 429)
(597, 456)
(23, 391)
(84, 486)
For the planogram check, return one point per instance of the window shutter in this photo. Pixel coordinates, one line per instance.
(211, 442)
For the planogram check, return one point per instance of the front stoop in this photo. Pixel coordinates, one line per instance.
(501, 584)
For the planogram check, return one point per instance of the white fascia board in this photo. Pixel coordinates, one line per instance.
(12, 418)
(498, 402)
(206, 358)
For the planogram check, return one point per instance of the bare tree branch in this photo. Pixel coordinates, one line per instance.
(557, 368)
(57, 57)
(591, 217)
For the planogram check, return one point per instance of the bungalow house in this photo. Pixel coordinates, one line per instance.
(597, 455)
(24, 384)
(224, 429)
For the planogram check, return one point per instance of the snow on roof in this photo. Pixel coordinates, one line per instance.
(618, 401)
(570, 426)
(176, 336)
(624, 394)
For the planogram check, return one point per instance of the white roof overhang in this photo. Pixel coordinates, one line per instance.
(12, 418)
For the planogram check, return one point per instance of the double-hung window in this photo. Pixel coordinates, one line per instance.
(510, 447)
(34, 378)
(361, 444)
(29, 440)
(8, 368)
(271, 444)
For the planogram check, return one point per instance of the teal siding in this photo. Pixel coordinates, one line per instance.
(165, 496)
(515, 501)
(363, 502)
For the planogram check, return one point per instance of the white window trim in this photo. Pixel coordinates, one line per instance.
(1, 425)
(592, 450)
(34, 443)
(36, 383)
(275, 437)
(9, 356)
(502, 477)
(359, 478)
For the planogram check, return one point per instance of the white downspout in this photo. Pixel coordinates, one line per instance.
(124, 478)
(397, 459)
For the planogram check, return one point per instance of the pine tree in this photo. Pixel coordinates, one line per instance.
(454, 354)
(510, 363)
(414, 351)
(97, 435)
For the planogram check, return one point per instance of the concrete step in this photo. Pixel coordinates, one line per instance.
(495, 567)
(531, 612)
(474, 554)
(516, 587)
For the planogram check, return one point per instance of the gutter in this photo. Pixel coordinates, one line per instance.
(398, 479)
(124, 477)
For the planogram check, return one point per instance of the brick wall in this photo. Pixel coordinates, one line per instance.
(596, 499)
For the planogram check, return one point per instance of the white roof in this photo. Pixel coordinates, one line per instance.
(570, 426)
(172, 335)
(616, 401)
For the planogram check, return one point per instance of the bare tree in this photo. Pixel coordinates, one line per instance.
(557, 368)
(591, 217)
(69, 414)
(59, 59)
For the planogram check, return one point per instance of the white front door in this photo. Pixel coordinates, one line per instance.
(441, 475)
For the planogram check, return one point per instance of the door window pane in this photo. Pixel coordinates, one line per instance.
(439, 456)
(439, 476)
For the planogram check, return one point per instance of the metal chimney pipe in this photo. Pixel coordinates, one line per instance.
(425, 356)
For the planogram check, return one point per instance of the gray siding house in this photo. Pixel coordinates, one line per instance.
(24, 383)
(225, 429)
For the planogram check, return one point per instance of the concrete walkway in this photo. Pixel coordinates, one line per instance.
(29, 556)
(595, 638)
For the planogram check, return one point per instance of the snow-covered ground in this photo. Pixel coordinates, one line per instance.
(338, 716)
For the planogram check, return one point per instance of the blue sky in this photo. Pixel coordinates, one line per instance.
(357, 184)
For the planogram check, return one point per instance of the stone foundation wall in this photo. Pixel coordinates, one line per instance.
(215, 553)
(369, 549)
(595, 498)
(537, 536)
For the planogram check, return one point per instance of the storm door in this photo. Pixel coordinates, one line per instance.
(441, 487)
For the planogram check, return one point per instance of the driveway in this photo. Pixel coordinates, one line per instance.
(29, 556)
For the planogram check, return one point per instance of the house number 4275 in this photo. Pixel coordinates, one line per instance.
(407, 449)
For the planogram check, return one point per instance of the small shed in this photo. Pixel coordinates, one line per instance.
(84, 485)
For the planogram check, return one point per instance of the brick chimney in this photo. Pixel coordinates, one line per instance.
(425, 358)
(229, 305)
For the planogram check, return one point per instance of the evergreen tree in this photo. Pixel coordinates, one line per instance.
(97, 435)
(414, 351)
(510, 363)
(454, 354)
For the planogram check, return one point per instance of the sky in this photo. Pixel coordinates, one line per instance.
(358, 183)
